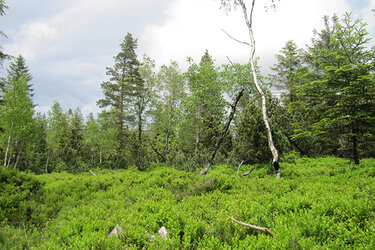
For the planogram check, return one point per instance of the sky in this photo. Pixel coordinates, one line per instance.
(67, 44)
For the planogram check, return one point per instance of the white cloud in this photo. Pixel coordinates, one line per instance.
(32, 37)
(68, 51)
(191, 26)
(369, 15)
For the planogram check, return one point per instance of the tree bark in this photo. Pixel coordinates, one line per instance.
(163, 159)
(47, 161)
(271, 144)
(6, 153)
(140, 123)
(197, 140)
(121, 120)
(221, 138)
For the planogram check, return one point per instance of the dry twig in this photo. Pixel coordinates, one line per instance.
(266, 230)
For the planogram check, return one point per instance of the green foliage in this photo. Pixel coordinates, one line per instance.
(324, 203)
(20, 194)
(16, 112)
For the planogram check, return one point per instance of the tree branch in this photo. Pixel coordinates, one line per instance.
(238, 170)
(266, 230)
(235, 38)
(249, 172)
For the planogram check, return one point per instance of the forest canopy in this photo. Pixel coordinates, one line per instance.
(151, 115)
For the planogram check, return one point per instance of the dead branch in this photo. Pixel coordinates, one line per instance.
(244, 174)
(224, 132)
(235, 38)
(238, 170)
(266, 230)
(249, 172)
(92, 173)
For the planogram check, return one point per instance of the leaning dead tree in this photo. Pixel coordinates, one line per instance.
(249, 22)
(223, 133)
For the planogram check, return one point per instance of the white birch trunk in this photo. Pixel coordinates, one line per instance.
(271, 144)
(6, 153)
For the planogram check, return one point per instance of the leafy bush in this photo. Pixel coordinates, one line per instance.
(19, 197)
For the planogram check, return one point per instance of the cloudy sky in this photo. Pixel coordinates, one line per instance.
(68, 43)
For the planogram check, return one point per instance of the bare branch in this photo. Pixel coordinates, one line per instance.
(92, 173)
(266, 230)
(249, 172)
(238, 170)
(235, 38)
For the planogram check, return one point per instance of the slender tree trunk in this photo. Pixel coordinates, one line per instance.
(18, 155)
(225, 130)
(6, 152)
(140, 128)
(9, 160)
(271, 144)
(47, 161)
(121, 120)
(198, 138)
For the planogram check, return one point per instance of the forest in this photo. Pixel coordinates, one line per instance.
(66, 180)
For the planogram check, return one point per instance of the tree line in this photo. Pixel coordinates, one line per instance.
(149, 114)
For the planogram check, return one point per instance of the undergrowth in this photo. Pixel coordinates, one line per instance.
(326, 203)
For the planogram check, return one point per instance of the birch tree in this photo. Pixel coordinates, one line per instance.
(16, 114)
(248, 17)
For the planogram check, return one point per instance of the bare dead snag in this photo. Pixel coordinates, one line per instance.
(225, 130)
(263, 229)
(92, 173)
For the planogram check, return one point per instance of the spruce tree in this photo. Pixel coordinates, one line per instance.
(18, 69)
(340, 98)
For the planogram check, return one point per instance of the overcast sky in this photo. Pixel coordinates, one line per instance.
(68, 44)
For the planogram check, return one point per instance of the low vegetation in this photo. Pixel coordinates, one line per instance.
(324, 203)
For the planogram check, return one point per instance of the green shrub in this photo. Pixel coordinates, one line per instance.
(19, 196)
(323, 203)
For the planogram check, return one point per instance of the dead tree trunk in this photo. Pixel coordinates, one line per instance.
(221, 138)
(248, 20)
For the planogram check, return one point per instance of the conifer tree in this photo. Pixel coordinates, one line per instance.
(340, 98)
(125, 86)
(18, 69)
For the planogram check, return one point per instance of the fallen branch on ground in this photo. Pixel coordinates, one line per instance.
(247, 173)
(252, 226)
(244, 174)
